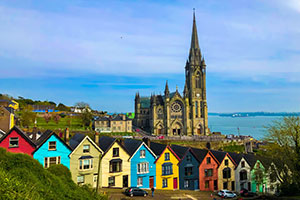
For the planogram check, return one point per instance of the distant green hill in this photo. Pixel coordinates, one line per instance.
(22, 177)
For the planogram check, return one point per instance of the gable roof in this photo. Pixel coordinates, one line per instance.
(199, 153)
(157, 148)
(132, 145)
(251, 159)
(266, 162)
(105, 142)
(78, 139)
(21, 133)
(46, 135)
(236, 157)
(168, 147)
(180, 150)
(219, 155)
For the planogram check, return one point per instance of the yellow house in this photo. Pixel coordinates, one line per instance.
(115, 164)
(167, 170)
(226, 174)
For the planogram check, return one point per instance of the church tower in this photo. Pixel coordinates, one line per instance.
(195, 71)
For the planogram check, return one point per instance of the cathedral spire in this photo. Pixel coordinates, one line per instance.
(186, 90)
(195, 53)
(167, 91)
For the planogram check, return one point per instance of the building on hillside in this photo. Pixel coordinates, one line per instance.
(115, 165)
(9, 103)
(176, 114)
(52, 150)
(167, 170)
(44, 108)
(77, 109)
(84, 160)
(208, 172)
(7, 118)
(118, 123)
(17, 141)
(142, 160)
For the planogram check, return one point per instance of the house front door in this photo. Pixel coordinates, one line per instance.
(175, 183)
(215, 184)
(125, 181)
(196, 185)
(151, 182)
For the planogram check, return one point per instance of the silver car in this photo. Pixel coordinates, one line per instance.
(226, 194)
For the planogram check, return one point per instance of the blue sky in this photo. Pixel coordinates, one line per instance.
(102, 52)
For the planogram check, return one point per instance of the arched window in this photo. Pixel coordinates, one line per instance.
(198, 80)
(196, 108)
(227, 172)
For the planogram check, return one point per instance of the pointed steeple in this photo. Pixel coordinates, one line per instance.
(167, 91)
(186, 90)
(195, 53)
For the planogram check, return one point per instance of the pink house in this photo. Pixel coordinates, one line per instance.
(17, 141)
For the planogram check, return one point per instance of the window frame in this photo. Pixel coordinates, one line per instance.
(82, 179)
(167, 156)
(117, 151)
(47, 163)
(208, 160)
(82, 165)
(143, 168)
(13, 138)
(52, 147)
(111, 181)
(165, 183)
(143, 153)
(139, 181)
(86, 150)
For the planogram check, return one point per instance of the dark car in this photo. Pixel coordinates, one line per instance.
(246, 193)
(135, 191)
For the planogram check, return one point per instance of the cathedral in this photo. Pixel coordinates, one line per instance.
(176, 114)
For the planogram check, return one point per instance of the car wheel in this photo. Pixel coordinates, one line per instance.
(131, 195)
(145, 195)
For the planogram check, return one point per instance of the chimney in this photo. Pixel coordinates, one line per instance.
(67, 134)
(97, 138)
(124, 117)
(147, 141)
(34, 132)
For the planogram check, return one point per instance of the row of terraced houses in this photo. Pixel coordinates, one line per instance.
(121, 163)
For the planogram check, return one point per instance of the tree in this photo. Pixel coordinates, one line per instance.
(284, 146)
(56, 118)
(82, 105)
(47, 117)
(27, 116)
(62, 107)
(86, 118)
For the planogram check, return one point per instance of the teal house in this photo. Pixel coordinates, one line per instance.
(258, 176)
(143, 168)
(52, 150)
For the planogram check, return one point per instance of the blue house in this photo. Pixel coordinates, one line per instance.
(190, 159)
(52, 150)
(143, 168)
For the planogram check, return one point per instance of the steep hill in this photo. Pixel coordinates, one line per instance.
(22, 177)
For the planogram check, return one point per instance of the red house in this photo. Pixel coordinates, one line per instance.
(208, 172)
(17, 141)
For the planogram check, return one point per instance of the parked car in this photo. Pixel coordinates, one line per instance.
(246, 193)
(135, 191)
(226, 194)
(137, 130)
(160, 137)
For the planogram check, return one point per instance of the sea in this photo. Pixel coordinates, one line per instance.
(253, 126)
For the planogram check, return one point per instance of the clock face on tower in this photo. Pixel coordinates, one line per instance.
(176, 107)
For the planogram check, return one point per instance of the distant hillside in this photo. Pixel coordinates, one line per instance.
(254, 114)
(22, 177)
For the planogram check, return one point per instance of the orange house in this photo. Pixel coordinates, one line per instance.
(208, 172)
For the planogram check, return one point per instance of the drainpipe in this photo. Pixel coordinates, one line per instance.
(99, 182)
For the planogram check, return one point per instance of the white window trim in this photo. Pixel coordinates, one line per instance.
(91, 166)
(144, 154)
(49, 146)
(141, 167)
(139, 182)
(58, 158)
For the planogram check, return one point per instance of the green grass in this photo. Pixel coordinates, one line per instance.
(118, 134)
(23, 177)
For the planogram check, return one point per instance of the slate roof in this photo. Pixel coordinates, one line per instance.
(219, 155)
(75, 140)
(266, 162)
(145, 102)
(251, 159)
(199, 153)
(131, 145)
(157, 148)
(179, 150)
(236, 157)
(43, 137)
(105, 142)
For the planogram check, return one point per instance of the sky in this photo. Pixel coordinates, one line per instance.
(103, 52)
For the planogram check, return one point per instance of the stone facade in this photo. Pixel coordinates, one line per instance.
(119, 123)
(174, 114)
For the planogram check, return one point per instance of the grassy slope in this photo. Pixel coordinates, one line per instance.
(22, 177)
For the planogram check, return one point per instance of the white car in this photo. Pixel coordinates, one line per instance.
(226, 194)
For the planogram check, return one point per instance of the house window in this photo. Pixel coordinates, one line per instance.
(207, 184)
(111, 181)
(49, 161)
(142, 154)
(52, 146)
(208, 160)
(188, 158)
(243, 164)
(167, 169)
(243, 175)
(226, 162)
(95, 178)
(115, 152)
(225, 185)
(115, 166)
(186, 183)
(167, 156)
(143, 168)
(86, 164)
(13, 142)
(140, 182)
(227, 172)
(188, 171)
(86, 148)
(165, 183)
(80, 179)
(208, 172)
